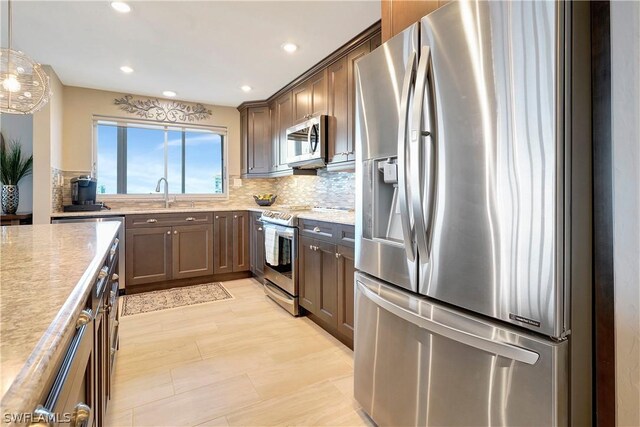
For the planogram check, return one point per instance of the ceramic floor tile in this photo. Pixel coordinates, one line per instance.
(199, 405)
(237, 362)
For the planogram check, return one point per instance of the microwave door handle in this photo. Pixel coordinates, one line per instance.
(417, 172)
(405, 219)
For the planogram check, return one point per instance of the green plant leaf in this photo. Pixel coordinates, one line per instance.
(13, 165)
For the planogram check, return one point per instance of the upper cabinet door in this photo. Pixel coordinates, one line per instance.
(352, 57)
(301, 102)
(259, 140)
(338, 109)
(318, 93)
(310, 97)
(283, 119)
(244, 140)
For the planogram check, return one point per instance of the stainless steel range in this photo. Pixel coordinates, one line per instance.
(281, 256)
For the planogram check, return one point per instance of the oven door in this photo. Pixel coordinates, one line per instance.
(281, 256)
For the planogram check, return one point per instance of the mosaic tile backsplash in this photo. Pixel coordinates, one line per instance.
(327, 189)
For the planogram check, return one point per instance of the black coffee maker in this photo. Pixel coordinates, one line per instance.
(83, 194)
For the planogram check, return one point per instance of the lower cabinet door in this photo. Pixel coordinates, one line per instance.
(310, 273)
(148, 255)
(223, 242)
(192, 253)
(328, 301)
(240, 241)
(346, 272)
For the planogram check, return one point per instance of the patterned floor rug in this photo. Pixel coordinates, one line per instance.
(147, 302)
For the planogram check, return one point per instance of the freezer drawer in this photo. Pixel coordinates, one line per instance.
(418, 363)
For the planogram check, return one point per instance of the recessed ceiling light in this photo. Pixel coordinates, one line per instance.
(121, 6)
(289, 47)
(245, 88)
(126, 69)
(169, 93)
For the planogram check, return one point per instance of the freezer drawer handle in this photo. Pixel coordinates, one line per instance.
(494, 347)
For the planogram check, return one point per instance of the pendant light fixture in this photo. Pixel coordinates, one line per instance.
(24, 86)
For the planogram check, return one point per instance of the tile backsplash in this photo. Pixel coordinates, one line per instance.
(327, 189)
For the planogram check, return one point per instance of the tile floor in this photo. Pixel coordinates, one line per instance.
(240, 362)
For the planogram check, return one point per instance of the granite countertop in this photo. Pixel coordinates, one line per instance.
(135, 211)
(46, 273)
(336, 216)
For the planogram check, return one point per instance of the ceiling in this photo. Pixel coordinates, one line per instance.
(203, 50)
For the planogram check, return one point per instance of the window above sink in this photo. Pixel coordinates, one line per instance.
(130, 157)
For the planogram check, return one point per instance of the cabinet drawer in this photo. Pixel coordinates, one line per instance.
(168, 219)
(317, 229)
(346, 235)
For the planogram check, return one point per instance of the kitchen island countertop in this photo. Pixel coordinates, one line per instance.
(46, 273)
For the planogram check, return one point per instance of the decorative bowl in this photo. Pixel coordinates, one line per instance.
(265, 202)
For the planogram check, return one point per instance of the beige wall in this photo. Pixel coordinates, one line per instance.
(47, 144)
(625, 100)
(81, 104)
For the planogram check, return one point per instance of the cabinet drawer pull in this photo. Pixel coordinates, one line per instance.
(168, 232)
(152, 221)
(190, 218)
(316, 229)
(217, 217)
(84, 318)
(81, 413)
(235, 216)
(338, 255)
(259, 228)
(175, 231)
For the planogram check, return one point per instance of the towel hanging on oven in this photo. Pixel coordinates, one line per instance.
(271, 247)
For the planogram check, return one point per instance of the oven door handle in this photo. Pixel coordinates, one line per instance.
(272, 291)
(280, 230)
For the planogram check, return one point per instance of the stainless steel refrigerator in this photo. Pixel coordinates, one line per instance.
(473, 230)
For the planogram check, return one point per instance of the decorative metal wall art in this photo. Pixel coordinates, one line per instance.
(163, 111)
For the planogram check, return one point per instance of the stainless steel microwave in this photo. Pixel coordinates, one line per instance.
(307, 143)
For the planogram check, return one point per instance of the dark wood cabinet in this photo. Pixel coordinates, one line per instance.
(326, 281)
(192, 251)
(338, 109)
(346, 287)
(240, 241)
(164, 247)
(310, 271)
(223, 242)
(244, 141)
(258, 140)
(148, 255)
(397, 15)
(256, 246)
(318, 286)
(230, 242)
(352, 57)
(310, 97)
(282, 110)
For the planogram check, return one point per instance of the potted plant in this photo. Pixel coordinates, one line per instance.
(13, 167)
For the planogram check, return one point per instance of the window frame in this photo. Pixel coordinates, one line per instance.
(121, 123)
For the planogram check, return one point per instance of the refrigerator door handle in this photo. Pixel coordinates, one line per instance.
(490, 346)
(407, 229)
(417, 174)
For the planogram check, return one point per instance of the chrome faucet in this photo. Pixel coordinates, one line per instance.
(166, 190)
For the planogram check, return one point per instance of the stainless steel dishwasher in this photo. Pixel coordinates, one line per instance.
(121, 234)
